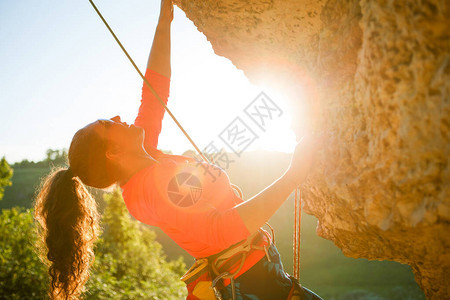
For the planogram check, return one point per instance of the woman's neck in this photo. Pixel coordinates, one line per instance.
(135, 164)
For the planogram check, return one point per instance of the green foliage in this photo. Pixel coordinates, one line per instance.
(6, 173)
(129, 263)
(22, 275)
(25, 181)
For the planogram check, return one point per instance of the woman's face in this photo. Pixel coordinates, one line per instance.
(119, 135)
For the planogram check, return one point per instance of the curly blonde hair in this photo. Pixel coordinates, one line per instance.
(68, 227)
(67, 217)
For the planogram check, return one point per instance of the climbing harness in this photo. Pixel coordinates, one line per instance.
(209, 275)
(221, 264)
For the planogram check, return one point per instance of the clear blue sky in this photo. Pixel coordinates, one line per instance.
(61, 69)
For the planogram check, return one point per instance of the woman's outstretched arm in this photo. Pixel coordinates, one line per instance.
(151, 112)
(258, 209)
(159, 58)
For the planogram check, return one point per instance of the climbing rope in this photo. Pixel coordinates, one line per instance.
(148, 84)
(296, 238)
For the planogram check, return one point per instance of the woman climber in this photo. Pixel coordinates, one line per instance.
(236, 259)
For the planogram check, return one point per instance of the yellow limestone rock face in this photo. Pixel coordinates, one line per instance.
(377, 76)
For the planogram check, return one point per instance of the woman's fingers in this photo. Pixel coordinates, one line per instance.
(166, 10)
(304, 156)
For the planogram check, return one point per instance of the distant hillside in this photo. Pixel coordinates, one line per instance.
(25, 181)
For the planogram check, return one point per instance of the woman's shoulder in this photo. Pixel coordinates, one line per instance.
(177, 158)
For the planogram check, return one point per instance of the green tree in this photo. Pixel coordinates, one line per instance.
(56, 157)
(22, 275)
(6, 173)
